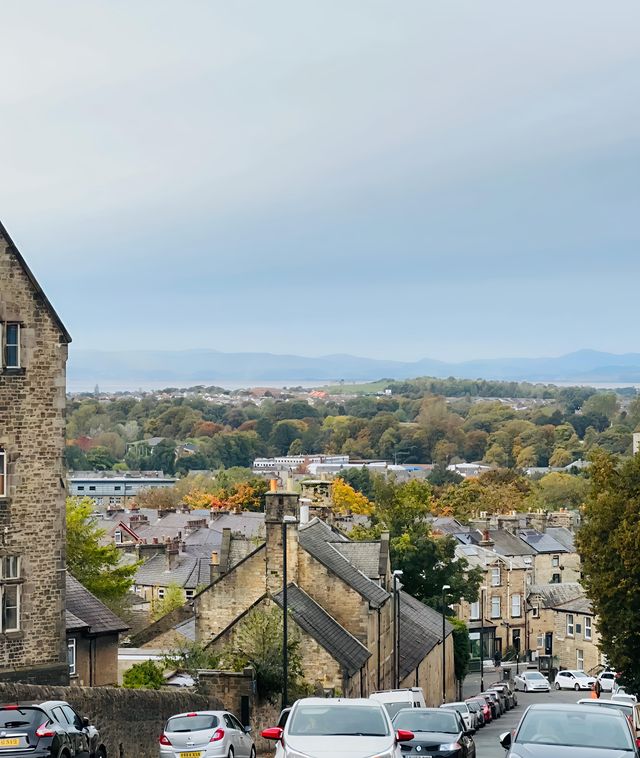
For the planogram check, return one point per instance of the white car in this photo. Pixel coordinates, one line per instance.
(344, 727)
(624, 697)
(206, 734)
(531, 681)
(572, 679)
(607, 680)
(467, 716)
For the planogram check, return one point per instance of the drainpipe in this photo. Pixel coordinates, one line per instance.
(379, 652)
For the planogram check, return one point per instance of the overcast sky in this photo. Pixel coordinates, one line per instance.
(445, 178)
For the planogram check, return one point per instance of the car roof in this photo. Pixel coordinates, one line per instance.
(605, 703)
(355, 701)
(198, 713)
(566, 708)
(457, 702)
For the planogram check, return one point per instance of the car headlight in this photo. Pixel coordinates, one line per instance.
(450, 746)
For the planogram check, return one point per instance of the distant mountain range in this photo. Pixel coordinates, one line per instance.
(132, 369)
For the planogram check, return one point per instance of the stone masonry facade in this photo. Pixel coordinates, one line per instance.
(32, 508)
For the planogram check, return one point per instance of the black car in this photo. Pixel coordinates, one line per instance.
(52, 729)
(573, 731)
(438, 733)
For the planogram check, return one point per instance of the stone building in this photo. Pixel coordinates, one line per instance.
(563, 626)
(32, 492)
(93, 634)
(499, 614)
(341, 602)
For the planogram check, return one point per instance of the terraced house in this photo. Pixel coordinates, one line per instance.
(32, 493)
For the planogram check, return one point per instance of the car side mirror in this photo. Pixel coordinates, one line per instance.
(404, 735)
(469, 732)
(247, 730)
(85, 722)
(505, 740)
(274, 733)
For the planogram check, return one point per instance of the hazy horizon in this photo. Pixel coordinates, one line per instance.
(442, 179)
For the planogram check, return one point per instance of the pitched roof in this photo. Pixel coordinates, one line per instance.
(506, 543)
(541, 542)
(557, 595)
(420, 632)
(86, 607)
(189, 571)
(365, 556)
(350, 653)
(73, 623)
(564, 536)
(320, 541)
(11, 247)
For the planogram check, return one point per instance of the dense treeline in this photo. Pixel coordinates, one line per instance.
(413, 425)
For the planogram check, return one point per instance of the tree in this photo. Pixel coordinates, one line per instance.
(608, 545)
(559, 490)
(98, 567)
(147, 675)
(192, 657)
(160, 498)
(99, 458)
(258, 643)
(461, 647)
(174, 597)
(347, 500)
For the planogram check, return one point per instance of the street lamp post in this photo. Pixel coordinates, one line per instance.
(286, 520)
(396, 627)
(445, 587)
(481, 639)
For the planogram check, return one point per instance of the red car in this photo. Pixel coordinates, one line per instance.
(486, 710)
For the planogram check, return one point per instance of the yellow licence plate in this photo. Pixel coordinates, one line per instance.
(192, 754)
(14, 742)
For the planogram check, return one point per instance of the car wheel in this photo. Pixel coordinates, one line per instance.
(526, 689)
(252, 754)
(230, 755)
(557, 685)
(577, 687)
(102, 753)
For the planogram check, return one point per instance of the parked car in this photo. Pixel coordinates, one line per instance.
(531, 681)
(510, 694)
(578, 731)
(478, 712)
(624, 697)
(497, 702)
(467, 716)
(607, 680)
(437, 733)
(206, 734)
(47, 729)
(348, 728)
(572, 679)
(502, 699)
(630, 710)
(484, 705)
(395, 700)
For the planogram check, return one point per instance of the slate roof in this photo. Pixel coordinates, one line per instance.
(187, 628)
(483, 557)
(189, 572)
(506, 543)
(564, 536)
(320, 541)
(420, 632)
(365, 556)
(349, 652)
(541, 542)
(449, 525)
(73, 623)
(86, 607)
(558, 595)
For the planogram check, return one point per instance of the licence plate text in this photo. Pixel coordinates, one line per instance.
(14, 742)
(192, 754)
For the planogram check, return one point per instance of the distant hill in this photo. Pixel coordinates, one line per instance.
(143, 367)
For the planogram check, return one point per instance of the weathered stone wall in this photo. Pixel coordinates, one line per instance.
(226, 599)
(130, 721)
(32, 431)
(565, 646)
(429, 674)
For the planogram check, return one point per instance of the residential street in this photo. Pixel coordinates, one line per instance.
(486, 739)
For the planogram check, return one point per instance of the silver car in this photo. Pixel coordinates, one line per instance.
(337, 728)
(206, 734)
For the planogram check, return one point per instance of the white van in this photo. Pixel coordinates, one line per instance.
(396, 700)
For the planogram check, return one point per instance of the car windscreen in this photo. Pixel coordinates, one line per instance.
(22, 718)
(427, 721)
(460, 707)
(333, 720)
(393, 708)
(473, 706)
(196, 723)
(534, 675)
(588, 729)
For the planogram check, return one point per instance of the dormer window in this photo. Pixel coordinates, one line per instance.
(12, 345)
